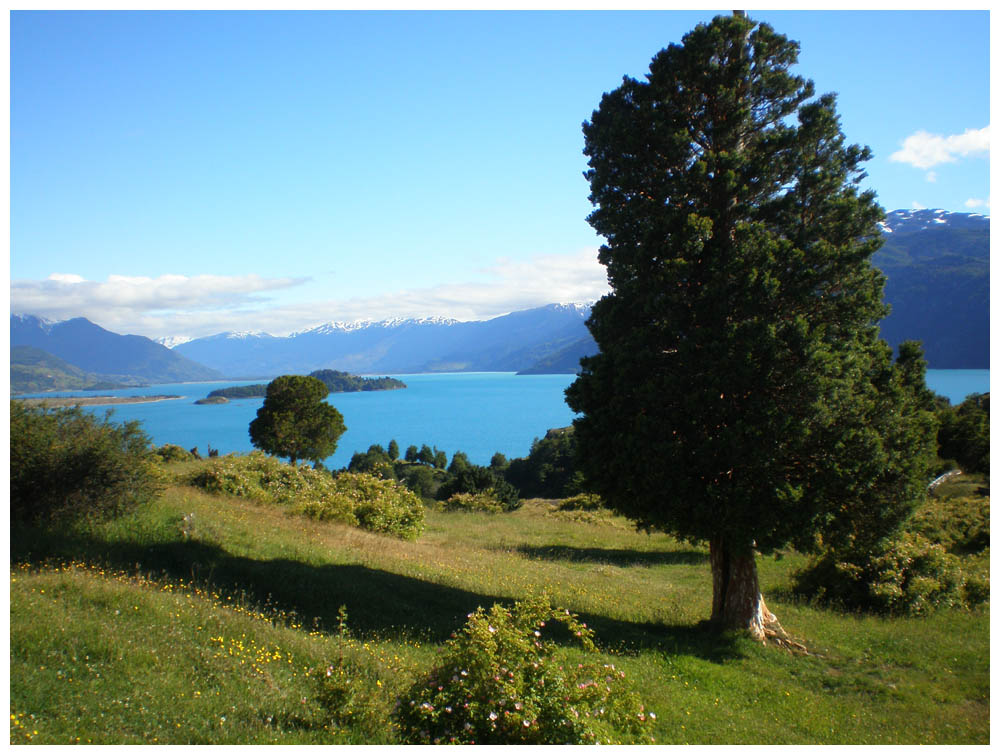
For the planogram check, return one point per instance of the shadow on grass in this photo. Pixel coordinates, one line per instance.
(612, 556)
(379, 603)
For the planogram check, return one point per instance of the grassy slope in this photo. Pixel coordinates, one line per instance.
(186, 653)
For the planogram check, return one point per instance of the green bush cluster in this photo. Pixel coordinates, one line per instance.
(905, 574)
(964, 433)
(484, 501)
(499, 680)
(549, 470)
(68, 464)
(427, 473)
(381, 505)
(357, 499)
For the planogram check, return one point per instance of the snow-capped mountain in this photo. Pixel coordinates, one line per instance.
(912, 221)
(172, 341)
(512, 342)
(937, 268)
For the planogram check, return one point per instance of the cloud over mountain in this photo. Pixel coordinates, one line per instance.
(122, 298)
(925, 150)
(193, 306)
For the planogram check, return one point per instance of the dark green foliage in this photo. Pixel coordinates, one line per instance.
(964, 434)
(440, 459)
(499, 462)
(742, 395)
(69, 464)
(422, 480)
(459, 462)
(476, 479)
(241, 391)
(393, 449)
(295, 422)
(375, 461)
(549, 470)
(426, 455)
(412, 454)
(343, 382)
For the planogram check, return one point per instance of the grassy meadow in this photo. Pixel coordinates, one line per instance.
(211, 619)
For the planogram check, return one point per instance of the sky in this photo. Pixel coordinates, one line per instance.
(185, 173)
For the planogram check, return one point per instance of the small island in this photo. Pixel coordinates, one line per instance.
(212, 400)
(335, 381)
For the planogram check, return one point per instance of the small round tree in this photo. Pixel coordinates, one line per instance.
(295, 422)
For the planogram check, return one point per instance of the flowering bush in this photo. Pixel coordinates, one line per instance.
(381, 505)
(351, 498)
(499, 681)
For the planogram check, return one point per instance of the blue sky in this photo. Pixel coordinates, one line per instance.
(187, 173)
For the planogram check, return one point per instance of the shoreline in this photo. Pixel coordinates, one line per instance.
(60, 401)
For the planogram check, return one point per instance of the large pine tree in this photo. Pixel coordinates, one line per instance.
(742, 396)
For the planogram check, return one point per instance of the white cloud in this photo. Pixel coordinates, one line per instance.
(918, 206)
(925, 150)
(931, 177)
(975, 204)
(129, 302)
(177, 305)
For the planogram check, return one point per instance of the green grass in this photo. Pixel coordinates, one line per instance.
(170, 628)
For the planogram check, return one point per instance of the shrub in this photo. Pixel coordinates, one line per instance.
(474, 502)
(499, 681)
(582, 502)
(351, 498)
(476, 479)
(169, 453)
(67, 464)
(382, 505)
(906, 574)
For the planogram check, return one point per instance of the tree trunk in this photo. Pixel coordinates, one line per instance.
(736, 599)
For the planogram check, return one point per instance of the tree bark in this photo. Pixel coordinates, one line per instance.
(736, 599)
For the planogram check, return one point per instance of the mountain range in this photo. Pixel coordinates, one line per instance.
(937, 285)
(41, 351)
(509, 343)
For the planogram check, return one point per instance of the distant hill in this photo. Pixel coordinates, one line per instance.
(33, 371)
(93, 349)
(937, 267)
(504, 344)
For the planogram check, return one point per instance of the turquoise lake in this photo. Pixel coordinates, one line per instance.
(478, 413)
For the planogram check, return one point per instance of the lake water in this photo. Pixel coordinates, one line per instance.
(478, 413)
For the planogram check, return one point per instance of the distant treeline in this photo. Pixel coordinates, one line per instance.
(335, 381)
